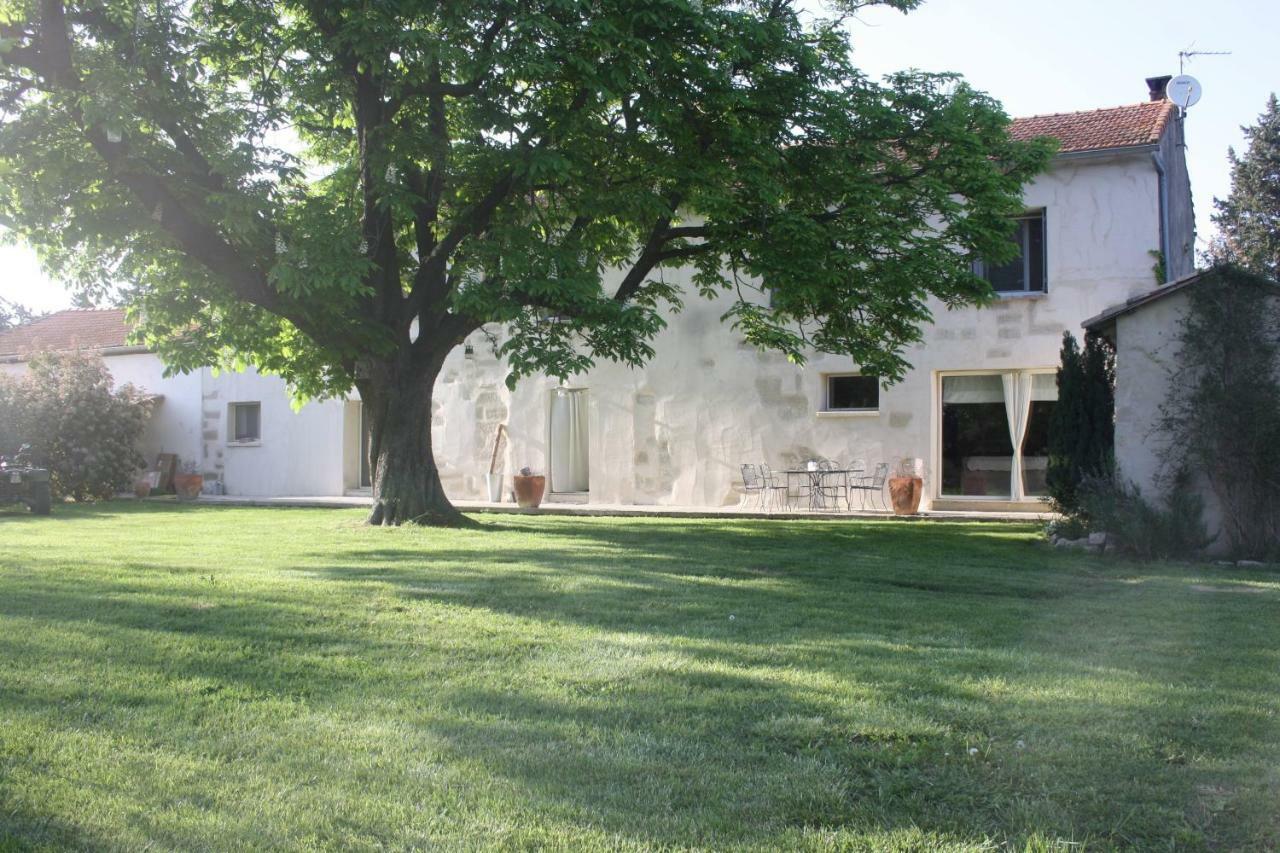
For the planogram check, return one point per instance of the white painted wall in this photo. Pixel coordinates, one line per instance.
(676, 431)
(300, 451)
(1146, 352)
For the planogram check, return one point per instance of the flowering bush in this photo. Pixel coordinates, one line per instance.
(79, 427)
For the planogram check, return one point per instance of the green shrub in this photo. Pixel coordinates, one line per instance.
(1222, 415)
(84, 431)
(1175, 530)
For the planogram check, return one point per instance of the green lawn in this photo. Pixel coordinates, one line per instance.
(190, 677)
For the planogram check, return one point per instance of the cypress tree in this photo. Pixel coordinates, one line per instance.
(1081, 428)
(1065, 427)
(1100, 382)
(1249, 219)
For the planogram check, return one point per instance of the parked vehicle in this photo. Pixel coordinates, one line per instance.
(21, 482)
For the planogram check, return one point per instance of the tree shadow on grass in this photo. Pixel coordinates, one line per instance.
(24, 826)
(14, 514)
(608, 689)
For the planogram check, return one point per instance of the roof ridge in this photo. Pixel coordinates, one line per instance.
(92, 329)
(1104, 128)
(1094, 111)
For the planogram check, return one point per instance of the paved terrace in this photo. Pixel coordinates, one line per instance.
(650, 510)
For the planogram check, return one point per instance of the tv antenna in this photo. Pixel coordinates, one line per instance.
(1184, 56)
(1185, 90)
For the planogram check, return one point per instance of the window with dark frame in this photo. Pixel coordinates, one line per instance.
(246, 422)
(1025, 273)
(852, 393)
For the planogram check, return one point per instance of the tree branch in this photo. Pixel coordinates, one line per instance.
(377, 220)
(196, 162)
(437, 88)
(429, 282)
(650, 255)
(198, 238)
(474, 221)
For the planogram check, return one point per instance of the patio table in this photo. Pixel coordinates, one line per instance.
(817, 500)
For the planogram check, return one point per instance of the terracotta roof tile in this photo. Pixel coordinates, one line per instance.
(1096, 130)
(90, 329)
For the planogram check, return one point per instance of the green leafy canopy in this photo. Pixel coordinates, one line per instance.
(312, 187)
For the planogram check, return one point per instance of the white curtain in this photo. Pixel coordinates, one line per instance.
(570, 459)
(1017, 407)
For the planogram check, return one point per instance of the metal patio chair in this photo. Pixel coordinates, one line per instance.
(758, 482)
(777, 490)
(872, 486)
(753, 484)
(832, 483)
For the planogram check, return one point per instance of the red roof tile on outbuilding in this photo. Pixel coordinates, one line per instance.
(89, 329)
(1098, 130)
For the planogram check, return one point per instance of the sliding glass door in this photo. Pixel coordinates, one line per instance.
(995, 433)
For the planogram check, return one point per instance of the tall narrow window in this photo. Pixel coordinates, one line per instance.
(1025, 273)
(246, 422)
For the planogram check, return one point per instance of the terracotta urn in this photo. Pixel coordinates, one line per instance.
(142, 488)
(188, 486)
(905, 493)
(529, 489)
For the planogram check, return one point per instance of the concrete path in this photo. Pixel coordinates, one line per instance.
(642, 510)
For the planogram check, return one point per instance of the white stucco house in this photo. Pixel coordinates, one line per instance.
(975, 406)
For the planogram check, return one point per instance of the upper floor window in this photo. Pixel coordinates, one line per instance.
(1025, 273)
(246, 422)
(852, 393)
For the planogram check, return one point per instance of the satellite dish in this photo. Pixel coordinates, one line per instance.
(1184, 90)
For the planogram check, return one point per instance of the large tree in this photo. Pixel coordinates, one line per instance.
(341, 192)
(1249, 219)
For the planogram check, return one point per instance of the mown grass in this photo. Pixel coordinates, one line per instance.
(186, 677)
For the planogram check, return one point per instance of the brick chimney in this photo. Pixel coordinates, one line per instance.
(1156, 86)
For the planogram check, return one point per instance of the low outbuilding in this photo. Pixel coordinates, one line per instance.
(1147, 333)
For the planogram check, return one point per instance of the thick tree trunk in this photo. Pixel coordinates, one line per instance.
(406, 482)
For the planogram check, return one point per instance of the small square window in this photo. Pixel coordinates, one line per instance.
(1025, 273)
(853, 393)
(246, 422)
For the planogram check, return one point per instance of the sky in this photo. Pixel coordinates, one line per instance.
(1035, 56)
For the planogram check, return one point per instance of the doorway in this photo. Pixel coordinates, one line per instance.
(570, 441)
(994, 434)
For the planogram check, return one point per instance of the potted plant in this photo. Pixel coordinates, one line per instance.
(529, 488)
(906, 487)
(188, 482)
(146, 483)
